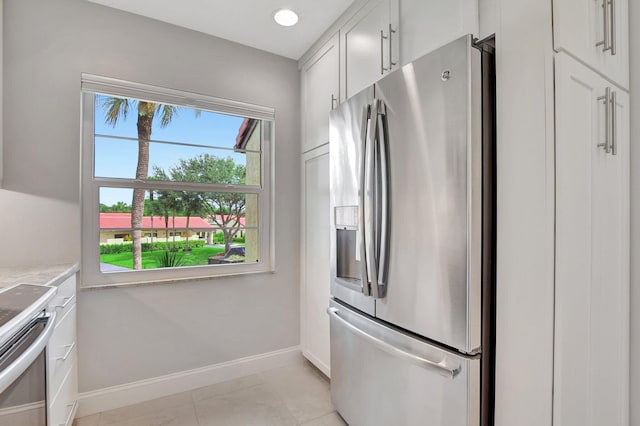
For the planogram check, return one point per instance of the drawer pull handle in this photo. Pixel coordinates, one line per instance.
(69, 417)
(67, 301)
(66, 355)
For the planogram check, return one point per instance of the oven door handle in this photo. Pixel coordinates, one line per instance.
(17, 367)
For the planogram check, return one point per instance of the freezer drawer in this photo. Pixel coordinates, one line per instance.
(380, 376)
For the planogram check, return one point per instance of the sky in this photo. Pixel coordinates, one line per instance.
(118, 158)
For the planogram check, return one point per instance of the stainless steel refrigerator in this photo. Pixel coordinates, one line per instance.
(412, 243)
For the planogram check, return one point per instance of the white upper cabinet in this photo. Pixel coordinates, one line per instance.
(320, 94)
(428, 24)
(369, 46)
(591, 350)
(597, 33)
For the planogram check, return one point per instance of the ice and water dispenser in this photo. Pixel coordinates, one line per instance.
(347, 242)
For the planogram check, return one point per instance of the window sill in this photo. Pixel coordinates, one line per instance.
(174, 280)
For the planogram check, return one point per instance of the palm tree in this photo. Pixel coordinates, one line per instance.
(119, 107)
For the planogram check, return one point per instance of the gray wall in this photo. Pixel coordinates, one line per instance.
(129, 334)
(634, 51)
(39, 229)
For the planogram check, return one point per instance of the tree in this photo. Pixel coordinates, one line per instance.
(165, 205)
(119, 207)
(115, 108)
(190, 203)
(226, 209)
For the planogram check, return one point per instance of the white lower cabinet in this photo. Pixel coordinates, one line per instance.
(61, 354)
(591, 348)
(63, 407)
(315, 289)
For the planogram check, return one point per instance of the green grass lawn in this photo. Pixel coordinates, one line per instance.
(197, 256)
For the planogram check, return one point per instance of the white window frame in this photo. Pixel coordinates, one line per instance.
(90, 188)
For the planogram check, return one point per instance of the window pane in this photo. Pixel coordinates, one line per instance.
(182, 154)
(198, 146)
(178, 228)
(203, 127)
(117, 158)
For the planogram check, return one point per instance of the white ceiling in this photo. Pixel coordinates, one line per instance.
(248, 22)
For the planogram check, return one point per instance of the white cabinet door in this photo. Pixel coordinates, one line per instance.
(591, 359)
(62, 357)
(319, 79)
(369, 46)
(428, 24)
(579, 27)
(315, 291)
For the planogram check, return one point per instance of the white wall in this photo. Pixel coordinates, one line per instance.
(525, 213)
(31, 233)
(141, 332)
(634, 52)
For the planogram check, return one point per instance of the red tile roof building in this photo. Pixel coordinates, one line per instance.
(123, 221)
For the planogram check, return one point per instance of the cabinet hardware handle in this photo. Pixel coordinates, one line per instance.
(613, 27)
(607, 122)
(66, 355)
(67, 300)
(382, 39)
(614, 123)
(605, 25)
(334, 102)
(391, 63)
(609, 26)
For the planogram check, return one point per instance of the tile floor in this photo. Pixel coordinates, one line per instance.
(293, 395)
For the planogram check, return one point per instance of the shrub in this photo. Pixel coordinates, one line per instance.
(169, 259)
(114, 248)
(218, 238)
(157, 245)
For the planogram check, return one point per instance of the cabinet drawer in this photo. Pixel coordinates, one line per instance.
(64, 298)
(61, 351)
(63, 407)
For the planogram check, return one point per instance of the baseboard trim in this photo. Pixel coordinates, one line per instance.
(319, 364)
(113, 397)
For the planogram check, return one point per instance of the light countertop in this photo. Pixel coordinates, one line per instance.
(43, 275)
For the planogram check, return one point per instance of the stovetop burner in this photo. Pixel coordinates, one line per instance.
(16, 299)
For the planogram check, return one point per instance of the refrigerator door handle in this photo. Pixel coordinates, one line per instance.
(369, 199)
(382, 228)
(364, 272)
(446, 369)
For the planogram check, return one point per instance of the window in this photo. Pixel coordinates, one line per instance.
(175, 185)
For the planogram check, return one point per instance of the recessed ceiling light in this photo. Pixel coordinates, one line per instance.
(285, 17)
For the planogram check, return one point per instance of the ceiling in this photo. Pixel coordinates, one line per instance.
(248, 22)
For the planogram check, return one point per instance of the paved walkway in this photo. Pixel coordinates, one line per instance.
(105, 267)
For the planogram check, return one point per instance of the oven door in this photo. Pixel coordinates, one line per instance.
(22, 374)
